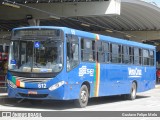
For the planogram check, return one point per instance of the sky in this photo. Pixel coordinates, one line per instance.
(153, 2)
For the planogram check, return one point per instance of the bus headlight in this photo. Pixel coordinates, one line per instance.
(57, 85)
(11, 84)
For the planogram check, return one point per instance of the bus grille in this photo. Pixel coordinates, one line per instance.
(33, 95)
(35, 80)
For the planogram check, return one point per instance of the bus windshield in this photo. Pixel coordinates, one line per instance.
(36, 55)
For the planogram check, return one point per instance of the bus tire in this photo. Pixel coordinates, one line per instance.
(133, 92)
(82, 101)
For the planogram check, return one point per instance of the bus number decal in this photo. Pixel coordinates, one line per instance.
(83, 71)
(41, 85)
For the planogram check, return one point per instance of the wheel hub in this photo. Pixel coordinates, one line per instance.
(83, 96)
(133, 91)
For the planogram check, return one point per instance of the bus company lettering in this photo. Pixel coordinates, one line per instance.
(134, 72)
(83, 71)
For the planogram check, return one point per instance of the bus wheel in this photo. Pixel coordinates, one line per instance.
(133, 92)
(83, 97)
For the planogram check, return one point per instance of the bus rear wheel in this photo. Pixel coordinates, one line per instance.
(82, 101)
(133, 92)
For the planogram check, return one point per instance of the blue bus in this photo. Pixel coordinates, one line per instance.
(60, 63)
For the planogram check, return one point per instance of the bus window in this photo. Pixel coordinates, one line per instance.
(101, 54)
(151, 54)
(131, 55)
(15, 55)
(125, 54)
(26, 57)
(106, 51)
(119, 53)
(72, 52)
(145, 57)
(114, 53)
(140, 56)
(136, 56)
(23, 52)
(88, 50)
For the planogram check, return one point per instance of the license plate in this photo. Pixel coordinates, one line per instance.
(32, 92)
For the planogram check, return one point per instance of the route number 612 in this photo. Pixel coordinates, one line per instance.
(41, 85)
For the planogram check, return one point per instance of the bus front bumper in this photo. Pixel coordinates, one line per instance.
(57, 94)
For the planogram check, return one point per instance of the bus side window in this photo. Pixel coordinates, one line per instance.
(145, 57)
(72, 52)
(100, 50)
(125, 54)
(115, 53)
(136, 56)
(140, 56)
(151, 54)
(131, 51)
(88, 50)
(106, 51)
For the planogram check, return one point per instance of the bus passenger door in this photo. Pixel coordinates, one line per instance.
(72, 62)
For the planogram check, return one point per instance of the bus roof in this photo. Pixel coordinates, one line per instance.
(92, 36)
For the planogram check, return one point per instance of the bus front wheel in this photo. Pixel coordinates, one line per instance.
(82, 101)
(133, 92)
